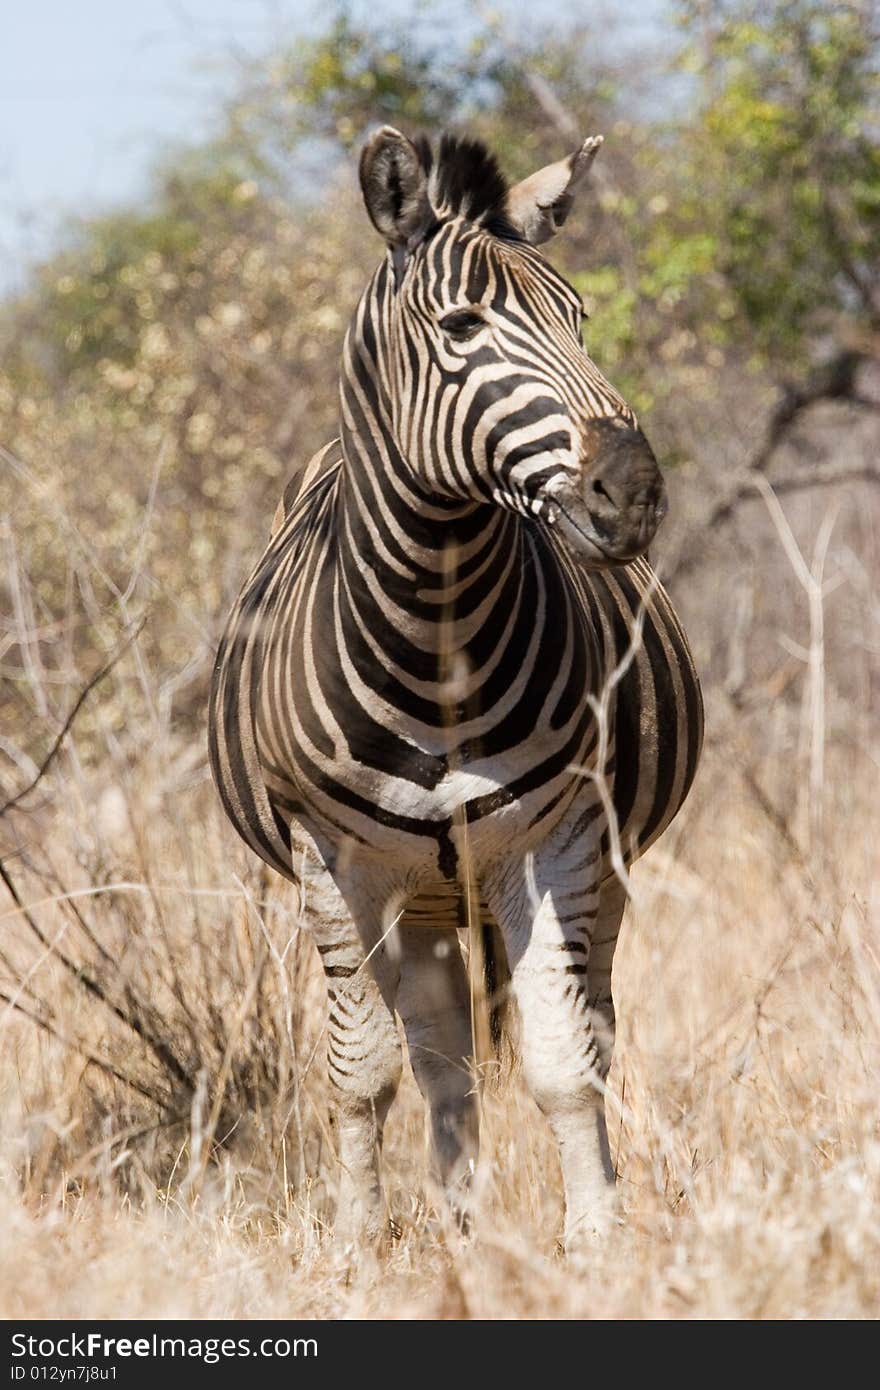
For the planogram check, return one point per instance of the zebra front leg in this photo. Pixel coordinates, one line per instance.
(612, 901)
(364, 1059)
(364, 1069)
(434, 1004)
(560, 943)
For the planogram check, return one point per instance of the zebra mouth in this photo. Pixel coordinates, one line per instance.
(598, 537)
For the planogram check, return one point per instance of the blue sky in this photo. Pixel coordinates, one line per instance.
(94, 91)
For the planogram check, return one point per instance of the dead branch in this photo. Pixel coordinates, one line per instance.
(102, 1063)
(87, 689)
(133, 1020)
(834, 380)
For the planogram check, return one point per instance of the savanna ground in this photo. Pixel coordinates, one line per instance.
(164, 1148)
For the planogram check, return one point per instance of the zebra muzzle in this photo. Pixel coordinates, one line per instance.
(612, 514)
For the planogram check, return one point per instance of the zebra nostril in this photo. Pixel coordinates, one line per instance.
(601, 491)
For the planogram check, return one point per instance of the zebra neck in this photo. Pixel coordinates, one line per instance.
(433, 586)
(431, 559)
(466, 613)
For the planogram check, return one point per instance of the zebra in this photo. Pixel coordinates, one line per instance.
(452, 694)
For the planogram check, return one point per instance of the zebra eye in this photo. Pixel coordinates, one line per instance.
(462, 324)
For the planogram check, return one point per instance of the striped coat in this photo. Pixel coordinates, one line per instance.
(452, 684)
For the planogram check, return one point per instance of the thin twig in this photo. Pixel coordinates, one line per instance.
(92, 986)
(76, 1045)
(833, 381)
(87, 689)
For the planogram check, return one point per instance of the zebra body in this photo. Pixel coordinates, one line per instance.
(442, 678)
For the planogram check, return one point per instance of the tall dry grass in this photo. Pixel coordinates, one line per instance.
(165, 1146)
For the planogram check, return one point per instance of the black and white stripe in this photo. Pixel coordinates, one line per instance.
(408, 685)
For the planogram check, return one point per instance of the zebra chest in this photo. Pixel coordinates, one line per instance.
(417, 782)
(434, 765)
(368, 733)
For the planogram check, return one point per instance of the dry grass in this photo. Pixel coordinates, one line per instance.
(164, 1146)
(747, 1136)
(164, 1149)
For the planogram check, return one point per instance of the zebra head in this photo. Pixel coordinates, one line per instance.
(475, 345)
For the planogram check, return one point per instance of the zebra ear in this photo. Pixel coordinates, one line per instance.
(539, 205)
(395, 188)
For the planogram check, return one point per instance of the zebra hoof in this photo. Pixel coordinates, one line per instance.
(590, 1233)
(372, 1236)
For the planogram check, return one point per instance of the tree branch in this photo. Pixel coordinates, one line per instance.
(103, 1064)
(94, 681)
(133, 1020)
(834, 380)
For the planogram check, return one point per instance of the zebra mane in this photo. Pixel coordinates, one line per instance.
(465, 181)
